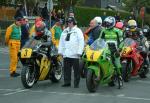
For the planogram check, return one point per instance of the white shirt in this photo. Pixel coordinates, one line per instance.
(74, 47)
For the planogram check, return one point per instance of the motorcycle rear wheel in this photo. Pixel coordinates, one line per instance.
(143, 73)
(56, 73)
(27, 77)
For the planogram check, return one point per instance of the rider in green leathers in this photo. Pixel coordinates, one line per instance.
(113, 37)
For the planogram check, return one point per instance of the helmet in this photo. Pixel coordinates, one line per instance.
(146, 29)
(39, 28)
(132, 25)
(119, 25)
(109, 22)
(71, 19)
(98, 20)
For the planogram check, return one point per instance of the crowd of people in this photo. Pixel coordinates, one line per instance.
(69, 39)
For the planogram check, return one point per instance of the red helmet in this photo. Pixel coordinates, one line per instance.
(39, 28)
(119, 25)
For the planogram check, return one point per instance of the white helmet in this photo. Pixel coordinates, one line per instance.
(98, 20)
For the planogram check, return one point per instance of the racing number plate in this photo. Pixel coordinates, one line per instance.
(26, 53)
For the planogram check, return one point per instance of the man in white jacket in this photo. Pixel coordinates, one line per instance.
(71, 46)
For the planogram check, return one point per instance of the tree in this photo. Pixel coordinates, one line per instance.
(136, 4)
(65, 4)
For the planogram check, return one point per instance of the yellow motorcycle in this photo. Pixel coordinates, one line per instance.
(39, 63)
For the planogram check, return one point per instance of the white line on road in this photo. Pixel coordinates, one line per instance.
(95, 94)
(4, 64)
(4, 69)
(6, 89)
(145, 82)
(17, 91)
(7, 70)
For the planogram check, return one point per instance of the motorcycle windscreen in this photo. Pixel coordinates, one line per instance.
(95, 50)
(44, 68)
(93, 55)
(128, 43)
(31, 44)
(125, 51)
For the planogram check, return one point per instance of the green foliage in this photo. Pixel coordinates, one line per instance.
(85, 14)
(137, 4)
(67, 3)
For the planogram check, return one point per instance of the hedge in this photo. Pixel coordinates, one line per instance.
(85, 14)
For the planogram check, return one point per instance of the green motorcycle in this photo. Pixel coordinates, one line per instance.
(100, 69)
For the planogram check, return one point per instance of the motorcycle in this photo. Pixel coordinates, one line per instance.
(132, 60)
(100, 69)
(38, 65)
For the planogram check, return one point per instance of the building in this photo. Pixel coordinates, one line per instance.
(104, 3)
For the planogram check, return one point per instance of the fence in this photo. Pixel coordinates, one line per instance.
(7, 13)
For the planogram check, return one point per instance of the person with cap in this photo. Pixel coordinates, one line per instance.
(12, 39)
(20, 12)
(56, 31)
(71, 46)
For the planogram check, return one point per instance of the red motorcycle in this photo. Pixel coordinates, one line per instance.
(132, 60)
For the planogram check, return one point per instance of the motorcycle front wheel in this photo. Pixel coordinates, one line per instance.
(125, 72)
(27, 76)
(90, 81)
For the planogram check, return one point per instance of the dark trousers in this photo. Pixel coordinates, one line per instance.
(70, 63)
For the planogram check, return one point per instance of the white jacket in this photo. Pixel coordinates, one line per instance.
(74, 47)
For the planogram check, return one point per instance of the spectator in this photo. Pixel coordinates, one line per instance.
(103, 16)
(71, 47)
(132, 16)
(24, 32)
(36, 9)
(117, 17)
(95, 29)
(12, 39)
(53, 17)
(56, 32)
(20, 12)
(45, 15)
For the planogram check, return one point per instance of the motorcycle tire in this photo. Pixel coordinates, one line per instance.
(83, 70)
(27, 77)
(56, 73)
(125, 74)
(90, 81)
(120, 82)
(144, 72)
